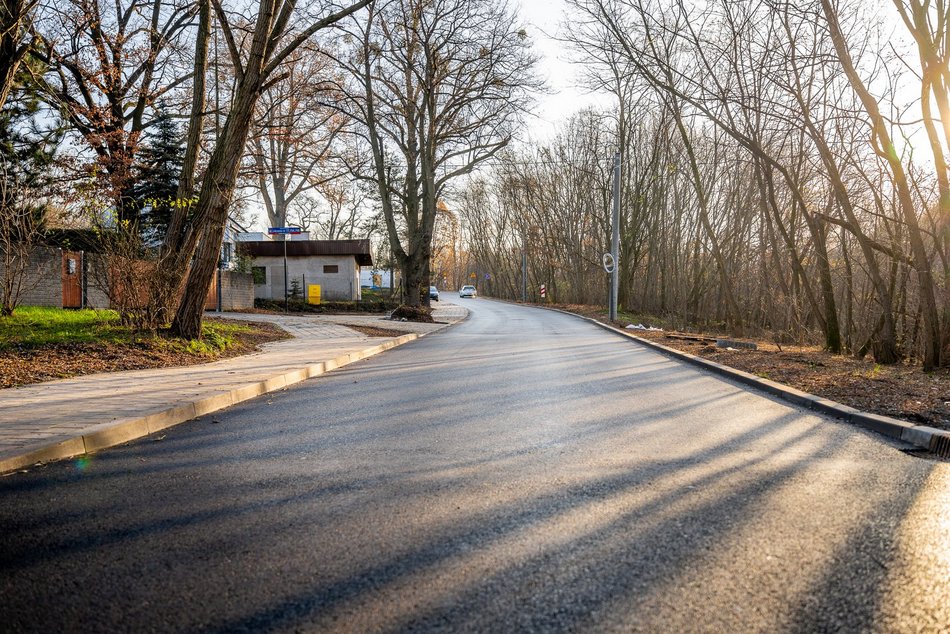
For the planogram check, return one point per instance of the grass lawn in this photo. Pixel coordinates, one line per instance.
(38, 326)
(40, 344)
(33, 326)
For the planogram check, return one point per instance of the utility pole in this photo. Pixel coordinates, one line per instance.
(615, 241)
(524, 271)
(286, 296)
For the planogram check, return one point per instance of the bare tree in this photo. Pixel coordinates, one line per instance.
(199, 230)
(437, 90)
(21, 225)
(107, 64)
(292, 142)
(29, 167)
(884, 147)
(332, 212)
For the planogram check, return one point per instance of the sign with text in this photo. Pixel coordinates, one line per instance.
(283, 230)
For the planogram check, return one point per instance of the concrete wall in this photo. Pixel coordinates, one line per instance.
(42, 282)
(97, 281)
(342, 286)
(237, 290)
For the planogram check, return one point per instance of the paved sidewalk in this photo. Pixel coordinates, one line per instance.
(69, 417)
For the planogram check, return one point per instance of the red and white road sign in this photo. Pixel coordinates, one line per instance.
(544, 291)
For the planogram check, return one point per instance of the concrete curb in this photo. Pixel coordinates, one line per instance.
(936, 441)
(122, 431)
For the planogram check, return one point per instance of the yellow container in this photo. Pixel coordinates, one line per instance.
(313, 293)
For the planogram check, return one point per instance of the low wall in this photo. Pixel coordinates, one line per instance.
(96, 295)
(42, 283)
(237, 291)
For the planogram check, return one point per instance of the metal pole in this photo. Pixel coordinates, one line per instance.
(615, 241)
(84, 279)
(524, 273)
(220, 291)
(286, 305)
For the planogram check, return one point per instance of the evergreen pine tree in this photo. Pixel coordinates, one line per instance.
(157, 176)
(29, 140)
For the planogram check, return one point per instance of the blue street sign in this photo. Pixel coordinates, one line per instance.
(283, 230)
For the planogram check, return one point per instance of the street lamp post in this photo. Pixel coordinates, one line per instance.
(615, 241)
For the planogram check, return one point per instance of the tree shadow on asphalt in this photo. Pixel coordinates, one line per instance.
(619, 568)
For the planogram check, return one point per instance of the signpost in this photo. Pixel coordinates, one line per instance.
(284, 231)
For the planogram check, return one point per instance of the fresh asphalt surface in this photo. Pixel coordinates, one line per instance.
(522, 471)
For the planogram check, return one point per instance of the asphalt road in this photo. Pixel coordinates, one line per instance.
(522, 471)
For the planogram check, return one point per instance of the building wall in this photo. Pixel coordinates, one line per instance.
(42, 282)
(341, 286)
(370, 276)
(237, 290)
(96, 282)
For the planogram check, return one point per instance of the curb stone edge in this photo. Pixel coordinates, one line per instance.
(933, 440)
(105, 435)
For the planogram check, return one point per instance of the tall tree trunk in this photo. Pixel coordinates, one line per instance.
(186, 184)
(211, 210)
(181, 237)
(885, 148)
(217, 188)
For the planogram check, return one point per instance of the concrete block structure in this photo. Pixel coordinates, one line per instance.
(334, 265)
(237, 291)
(62, 278)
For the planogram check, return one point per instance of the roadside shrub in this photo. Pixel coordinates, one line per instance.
(299, 306)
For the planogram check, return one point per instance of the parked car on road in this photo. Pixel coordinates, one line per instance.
(467, 291)
(433, 293)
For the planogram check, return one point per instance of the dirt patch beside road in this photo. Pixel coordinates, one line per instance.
(375, 331)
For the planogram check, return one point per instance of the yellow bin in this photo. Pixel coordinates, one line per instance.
(313, 293)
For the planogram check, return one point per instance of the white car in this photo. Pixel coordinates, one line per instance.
(467, 291)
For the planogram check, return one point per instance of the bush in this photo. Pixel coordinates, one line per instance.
(300, 306)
